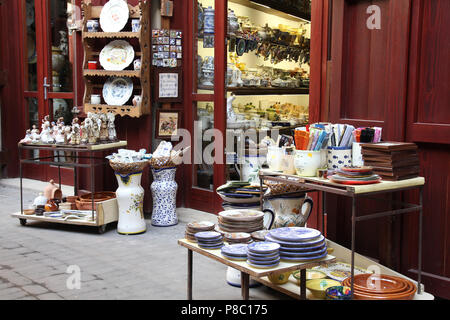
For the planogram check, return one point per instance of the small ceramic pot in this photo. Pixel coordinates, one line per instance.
(307, 162)
(52, 191)
(137, 101)
(92, 25)
(95, 99)
(137, 64)
(339, 157)
(338, 293)
(357, 158)
(92, 65)
(135, 25)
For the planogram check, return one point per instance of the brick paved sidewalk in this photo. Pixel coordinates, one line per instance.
(34, 261)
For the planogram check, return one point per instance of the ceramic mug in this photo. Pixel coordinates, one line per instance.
(339, 157)
(307, 162)
(92, 65)
(92, 25)
(137, 64)
(137, 101)
(95, 99)
(135, 25)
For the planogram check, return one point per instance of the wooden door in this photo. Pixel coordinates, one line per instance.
(396, 77)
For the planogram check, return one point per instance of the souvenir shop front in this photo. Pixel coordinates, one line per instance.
(299, 88)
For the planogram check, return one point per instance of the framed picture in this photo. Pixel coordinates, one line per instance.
(167, 123)
(168, 83)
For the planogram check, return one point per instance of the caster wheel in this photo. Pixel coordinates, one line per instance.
(23, 221)
(102, 229)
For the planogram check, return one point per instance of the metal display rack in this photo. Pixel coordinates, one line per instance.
(356, 192)
(70, 152)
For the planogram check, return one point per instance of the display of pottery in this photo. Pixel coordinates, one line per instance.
(52, 191)
(263, 254)
(193, 227)
(318, 287)
(241, 220)
(114, 16)
(209, 240)
(164, 191)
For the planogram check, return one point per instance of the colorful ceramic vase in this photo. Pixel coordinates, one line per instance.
(130, 199)
(290, 211)
(164, 192)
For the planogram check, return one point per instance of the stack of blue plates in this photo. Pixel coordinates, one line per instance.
(209, 240)
(263, 254)
(299, 244)
(235, 252)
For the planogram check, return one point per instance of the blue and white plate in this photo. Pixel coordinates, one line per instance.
(304, 259)
(302, 249)
(262, 255)
(117, 90)
(235, 250)
(234, 257)
(303, 254)
(263, 247)
(264, 262)
(259, 258)
(303, 244)
(208, 235)
(211, 248)
(294, 234)
(262, 266)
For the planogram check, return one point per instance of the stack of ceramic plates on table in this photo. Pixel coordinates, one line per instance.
(381, 287)
(240, 221)
(298, 244)
(263, 254)
(259, 235)
(193, 227)
(238, 237)
(209, 240)
(355, 175)
(239, 195)
(236, 252)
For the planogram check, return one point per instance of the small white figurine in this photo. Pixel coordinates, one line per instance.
(103, 128)
(67, 134)
(112, 134)
(75, 137)
(28, 138)
(46, 134)
(35, 135)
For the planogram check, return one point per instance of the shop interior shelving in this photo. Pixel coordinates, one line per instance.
(94, 79)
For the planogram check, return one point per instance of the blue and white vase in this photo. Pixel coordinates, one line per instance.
(208, 20)
(130, 200)
(164, 192)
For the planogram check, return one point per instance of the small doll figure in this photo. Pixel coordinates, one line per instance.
(76, 137)
(35, 135)
(27, 138)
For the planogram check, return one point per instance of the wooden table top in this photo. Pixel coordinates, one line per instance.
(252, 271)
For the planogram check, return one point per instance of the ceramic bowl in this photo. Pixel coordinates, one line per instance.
(310, 275)
(279, 278)
(98, 196)
(338, 293)
(319, 286)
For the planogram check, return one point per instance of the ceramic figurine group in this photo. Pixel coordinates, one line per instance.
(96, 128)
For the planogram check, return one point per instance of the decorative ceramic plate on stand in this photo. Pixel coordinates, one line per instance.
(116, 55)
(294, 234)
(339, 271)
(117, 91)
(114, 16)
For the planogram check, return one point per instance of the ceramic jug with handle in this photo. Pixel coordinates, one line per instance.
(290, 211)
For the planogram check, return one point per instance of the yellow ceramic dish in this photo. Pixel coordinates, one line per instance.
(279, 278)
(310, 275)
(318, 286)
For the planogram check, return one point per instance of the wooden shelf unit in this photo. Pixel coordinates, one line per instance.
(94, 79)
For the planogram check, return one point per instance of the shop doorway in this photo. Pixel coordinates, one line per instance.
(47, 74)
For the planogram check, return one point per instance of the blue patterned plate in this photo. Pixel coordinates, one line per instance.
(262, 266)
(294, 234)
(208, 235)
(272, 261)
(259, 258)
(262, 255)
(302, 249)
(302, 244)
(234, 257)
(303, 254)
(263, 247)
(211, 243)
(235, 250)
(298, 259)
(117, 90)
(211, 248)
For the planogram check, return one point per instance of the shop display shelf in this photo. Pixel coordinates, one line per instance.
(107, 73)
(118, 35)
(125, 110)
(251, 91)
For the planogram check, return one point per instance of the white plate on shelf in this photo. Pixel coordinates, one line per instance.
(114, 16)
(116, 55)
(117, 91)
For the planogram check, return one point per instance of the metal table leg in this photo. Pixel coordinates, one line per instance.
(303, 284)
(419, 263)
(189, 276)
(245, 280)
(353, 243)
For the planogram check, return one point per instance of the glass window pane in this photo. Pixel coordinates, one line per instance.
(61, 64)
(203, 46)
(203, 166)
(30, 47)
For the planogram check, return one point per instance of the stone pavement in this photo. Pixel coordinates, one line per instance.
(34, 260)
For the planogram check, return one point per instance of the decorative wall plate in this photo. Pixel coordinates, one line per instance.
(116, 55)
(117, 91)
(114, 16)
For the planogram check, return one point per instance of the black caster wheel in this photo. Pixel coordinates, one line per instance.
(23, 221)
(102, 229)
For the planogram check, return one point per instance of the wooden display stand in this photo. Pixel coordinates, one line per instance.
(94, 79)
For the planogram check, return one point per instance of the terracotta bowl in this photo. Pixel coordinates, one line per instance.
(388, 284)
(407, 294)
(98, 196)
(71, 199)
(85, 205)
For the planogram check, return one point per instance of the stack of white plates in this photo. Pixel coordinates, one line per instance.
(299, 244)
